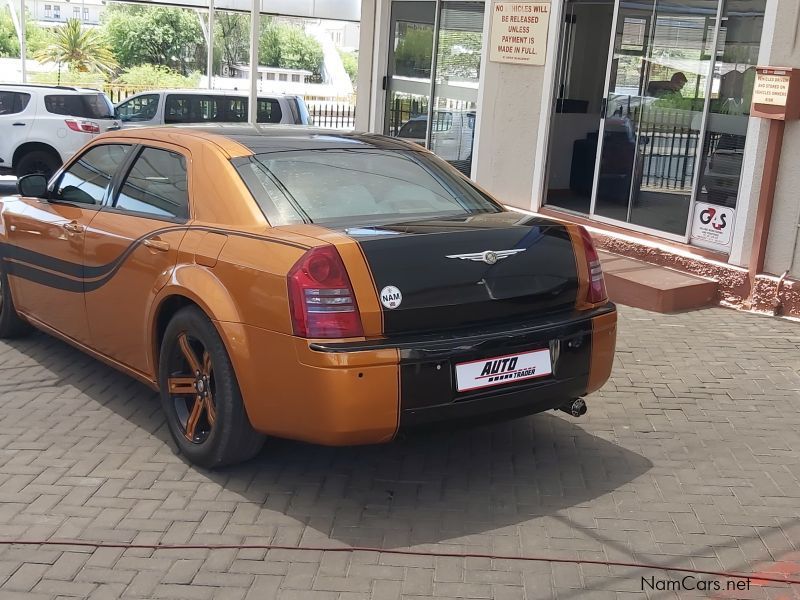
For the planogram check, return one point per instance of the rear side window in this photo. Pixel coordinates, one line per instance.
(193, 108)
(13, 102)
(140, 108)
(86, 180)
(269, 110)
(157, 185)
(86, 106)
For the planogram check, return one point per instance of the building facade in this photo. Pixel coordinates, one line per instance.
(630, 115)
(54, 12)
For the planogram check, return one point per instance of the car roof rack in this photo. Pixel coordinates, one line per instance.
(41, 85)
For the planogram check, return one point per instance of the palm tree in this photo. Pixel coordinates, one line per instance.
(83, 50)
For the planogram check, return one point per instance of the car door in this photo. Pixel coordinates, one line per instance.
(138, 232)
(139, 111)
(47, 241)
(17, 112)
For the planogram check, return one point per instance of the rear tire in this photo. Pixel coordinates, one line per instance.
(200, 395)
(11, 325)
(38, 161)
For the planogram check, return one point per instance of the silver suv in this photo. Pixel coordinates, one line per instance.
(42, 126)
(176, 107)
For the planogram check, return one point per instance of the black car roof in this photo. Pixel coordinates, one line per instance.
(282, 138)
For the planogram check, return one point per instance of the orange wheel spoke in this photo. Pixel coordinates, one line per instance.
(194, 417)
(180, 386)
(188, 353)
(206, 363)
(211, 410)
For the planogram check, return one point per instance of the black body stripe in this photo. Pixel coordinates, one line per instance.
(31, 265)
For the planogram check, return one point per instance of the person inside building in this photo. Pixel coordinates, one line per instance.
(663, 89)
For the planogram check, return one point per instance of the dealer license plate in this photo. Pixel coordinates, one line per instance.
(503, 370)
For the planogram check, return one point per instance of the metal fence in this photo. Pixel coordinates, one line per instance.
(332, 115)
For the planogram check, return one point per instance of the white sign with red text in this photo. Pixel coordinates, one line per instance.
(519, 32)
(712, 226)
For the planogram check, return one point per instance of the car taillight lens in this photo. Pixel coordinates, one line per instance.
(597, 285)
(82, 126)
(321, 297)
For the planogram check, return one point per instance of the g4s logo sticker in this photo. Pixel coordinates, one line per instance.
(708, 216)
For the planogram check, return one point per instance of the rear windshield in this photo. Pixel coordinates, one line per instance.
(365, 185)
(87, 106)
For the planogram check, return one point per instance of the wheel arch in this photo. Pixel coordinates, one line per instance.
(26, 147)
(184, 290)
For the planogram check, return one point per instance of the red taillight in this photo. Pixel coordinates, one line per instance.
(597, 285)
(321, 297)
(82, 126)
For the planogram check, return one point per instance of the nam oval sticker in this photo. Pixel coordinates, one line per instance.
(391, 297)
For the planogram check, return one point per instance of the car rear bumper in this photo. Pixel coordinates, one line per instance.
(342, 393)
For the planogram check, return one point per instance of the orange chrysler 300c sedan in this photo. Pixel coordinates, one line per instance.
(320, 286)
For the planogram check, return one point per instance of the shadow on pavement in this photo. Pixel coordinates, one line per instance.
(426, 487)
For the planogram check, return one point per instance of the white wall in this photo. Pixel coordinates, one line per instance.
(780, 47)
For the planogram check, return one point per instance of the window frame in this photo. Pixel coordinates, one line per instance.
(53, 185)
(110, 205)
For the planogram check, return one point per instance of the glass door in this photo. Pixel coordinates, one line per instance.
(657, 91)
(435, 52)
(408, 80)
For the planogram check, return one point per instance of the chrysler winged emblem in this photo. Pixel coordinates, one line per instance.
(490, 257)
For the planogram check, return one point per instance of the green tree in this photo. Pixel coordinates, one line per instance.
(82, 50)
(414, 52)
(156, 35)
(289, 47)
(35, 36)
(231, 38)
(156, 76)
(350, 63)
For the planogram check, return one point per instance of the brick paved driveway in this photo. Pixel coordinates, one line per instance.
(690, 456)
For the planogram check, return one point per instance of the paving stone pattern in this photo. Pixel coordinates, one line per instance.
(689, 457)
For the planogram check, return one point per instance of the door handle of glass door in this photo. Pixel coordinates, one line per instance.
(159, 245)
(18, 124)
(74, 227)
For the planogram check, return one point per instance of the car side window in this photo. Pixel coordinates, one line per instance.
(12, 103)
(87, 179)
(269, 111)
(140, 108)
(157, 185)
(192, 108)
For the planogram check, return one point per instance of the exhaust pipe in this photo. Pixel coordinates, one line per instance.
(576, 408)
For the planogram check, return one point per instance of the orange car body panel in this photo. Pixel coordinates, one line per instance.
(228, 260)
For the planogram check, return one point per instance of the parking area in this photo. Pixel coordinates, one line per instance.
(688, 457)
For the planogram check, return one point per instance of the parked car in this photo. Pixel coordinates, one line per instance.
(452, 135)
(169, 107)
(327, 287)
(43, 126)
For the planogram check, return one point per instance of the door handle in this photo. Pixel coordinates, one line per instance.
(156, 244)
(74, 227)
(18, 124)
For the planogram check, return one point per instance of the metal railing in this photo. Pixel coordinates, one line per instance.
(332, 115)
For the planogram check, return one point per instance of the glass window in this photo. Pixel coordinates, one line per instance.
(236, 110)
(192, 108)
(48, 11)
(325, 185)
(731, 96)
(56, 12)
(282, 77)
(13, 102)
(139, 108)
(296, 78)
(87, 106)
(269, 111)
(76, 12)
(87, 179)
(156, 185)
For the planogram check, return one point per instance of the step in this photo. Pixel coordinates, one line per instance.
(653, 287)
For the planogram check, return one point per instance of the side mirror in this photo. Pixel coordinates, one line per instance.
(33, 186)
